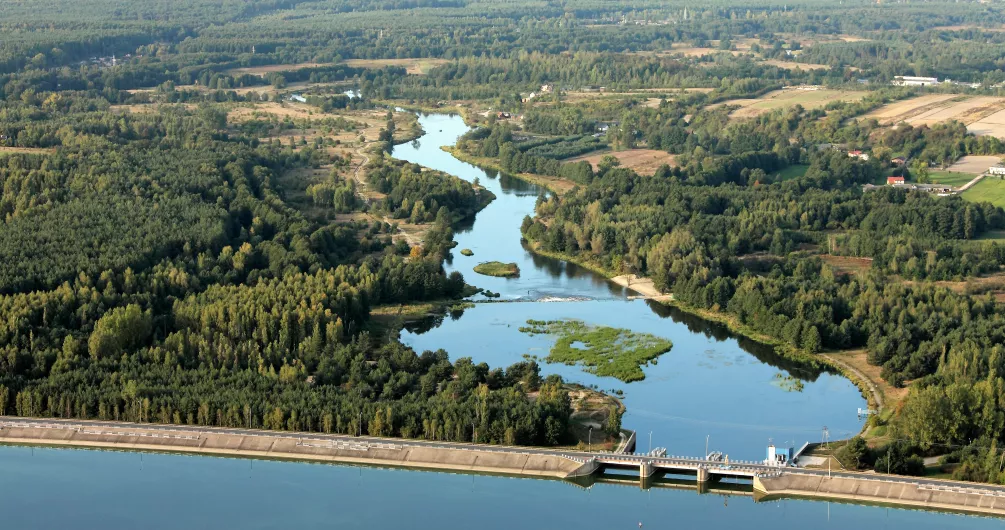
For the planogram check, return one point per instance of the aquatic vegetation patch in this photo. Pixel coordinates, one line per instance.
(467, 252)
(602, 350)
(498, 268)
(787, 383)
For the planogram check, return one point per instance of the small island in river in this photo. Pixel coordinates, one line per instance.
(498, 268)
(603, 350)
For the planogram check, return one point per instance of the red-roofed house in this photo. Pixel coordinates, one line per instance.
(894, 181)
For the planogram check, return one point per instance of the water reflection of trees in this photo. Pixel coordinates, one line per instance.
(518, 186)
(558, 268)
(762, 352)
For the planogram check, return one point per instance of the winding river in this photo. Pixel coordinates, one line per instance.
(736, 393)
(710, 384)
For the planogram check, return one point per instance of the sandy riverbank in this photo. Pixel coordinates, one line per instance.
(643, 286)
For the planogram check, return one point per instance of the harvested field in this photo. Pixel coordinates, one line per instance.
(969, 26)
(643, 161)
(792, 65)
(691, 51)
(982, 113)
(967, 111)
(901, 110)
(990, 125)
(25, 150)
(776, 99)
(974, 164)
(268, 69)
(847, 264)
(653, 97)
(412, 66)
(282, 110)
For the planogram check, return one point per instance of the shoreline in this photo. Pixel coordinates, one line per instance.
(549, 183)
(869, 389)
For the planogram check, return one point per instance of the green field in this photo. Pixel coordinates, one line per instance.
(776, 99)
(990, 189)
(997, 236)
(950, 178)
(792, 172)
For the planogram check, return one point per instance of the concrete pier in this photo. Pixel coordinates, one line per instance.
(588, 468)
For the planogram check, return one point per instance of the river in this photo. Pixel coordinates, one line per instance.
(710, 384)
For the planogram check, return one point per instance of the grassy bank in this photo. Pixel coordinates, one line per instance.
(867, 387)
(462, 111)
(554, 184)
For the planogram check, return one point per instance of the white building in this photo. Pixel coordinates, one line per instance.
(997, 169)
(298, 98)
(907, 80)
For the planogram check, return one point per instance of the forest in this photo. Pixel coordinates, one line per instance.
(154, 272)
(162, 263)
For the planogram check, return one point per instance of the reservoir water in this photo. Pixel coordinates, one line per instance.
(85, 490)
(710, 384)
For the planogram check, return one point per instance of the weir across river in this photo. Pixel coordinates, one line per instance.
(764, 479)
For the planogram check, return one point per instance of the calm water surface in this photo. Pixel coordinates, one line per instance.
(61, 488)
(711, 384)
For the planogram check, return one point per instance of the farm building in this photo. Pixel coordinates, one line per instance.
(907, 80)
(940, 189)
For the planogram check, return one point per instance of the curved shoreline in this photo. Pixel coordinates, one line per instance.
(869, 390)
(559, 186)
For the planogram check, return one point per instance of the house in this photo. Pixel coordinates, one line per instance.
(894, 181)
(298, 98)
(997, 169)
(907, 80)
(859, 155)
(547, 89)
(605, 126)
(898, 161)
(503, 115)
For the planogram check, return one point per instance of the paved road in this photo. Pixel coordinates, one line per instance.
(670, 461)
